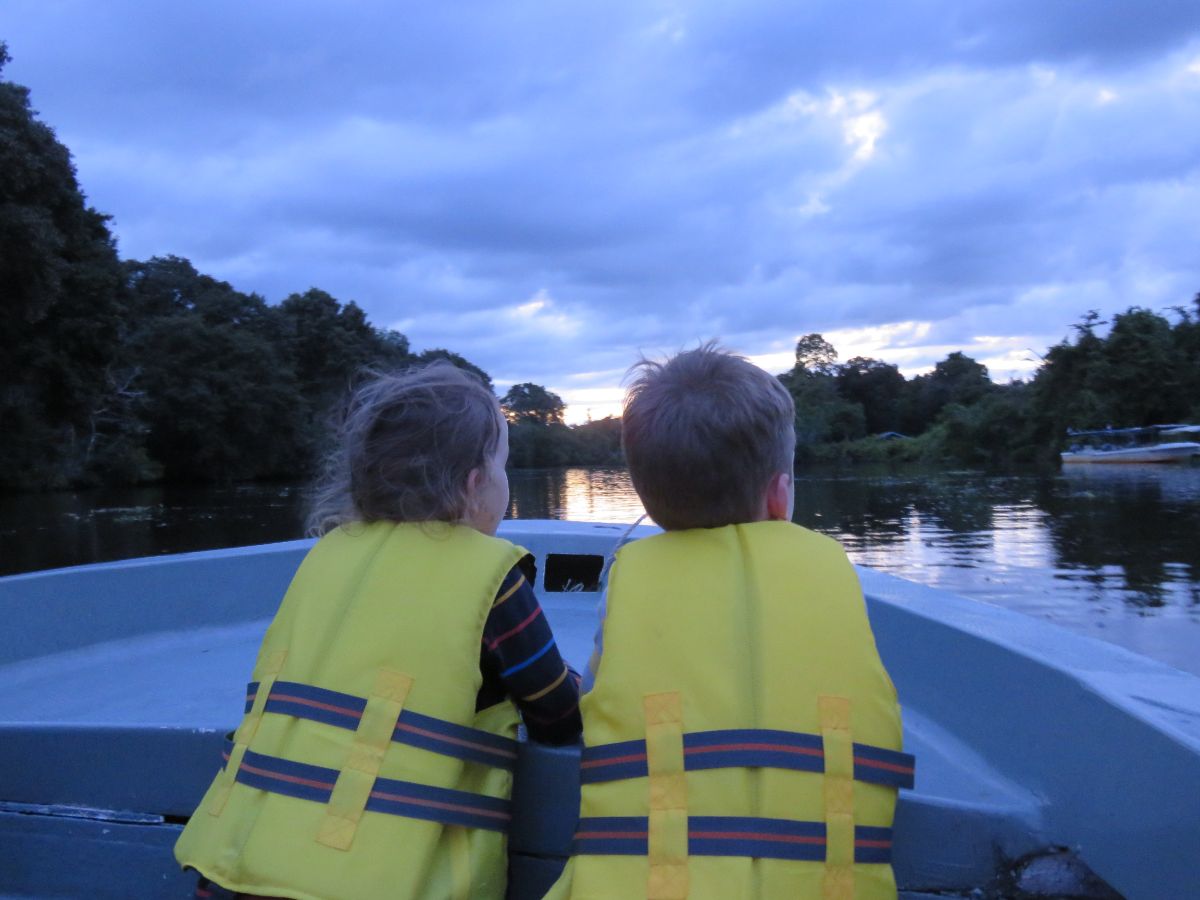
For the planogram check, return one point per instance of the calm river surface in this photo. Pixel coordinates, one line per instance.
(1112, 552)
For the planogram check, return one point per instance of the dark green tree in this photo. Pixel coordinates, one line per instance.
(956, 379)
(60, 304)
(597, 442)
(330, 347)
(537, 446)
(1187, 339)
(328, 344)
(218, 397)
(877, 387)
(220, 404)
(821, 413)
(1068, 387)
(993, 432)
(532, 404)
(171, 286)
(1145, 374)
(537, 435)
(815, 356)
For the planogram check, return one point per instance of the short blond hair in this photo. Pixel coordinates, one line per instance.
(704, 433)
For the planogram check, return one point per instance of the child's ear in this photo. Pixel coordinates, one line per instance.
(474, 480)
(780, 498)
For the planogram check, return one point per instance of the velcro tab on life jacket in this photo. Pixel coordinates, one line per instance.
(667, 837)
(460, 862)
(270, 664)
(364, 759)
(838, 790)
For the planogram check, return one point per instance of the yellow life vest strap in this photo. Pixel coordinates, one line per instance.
(270, 664)
(460, 862)
(305, 701)
(350, 794)
(667, 829)
(838, 791)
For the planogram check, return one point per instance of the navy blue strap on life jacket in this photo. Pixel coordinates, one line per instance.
(730, 836)
(304, 701)
(748, 748)
(388, 796)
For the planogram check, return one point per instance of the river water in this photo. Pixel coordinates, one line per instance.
(1111, 552)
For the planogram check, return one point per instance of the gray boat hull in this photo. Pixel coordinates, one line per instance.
(119, 681)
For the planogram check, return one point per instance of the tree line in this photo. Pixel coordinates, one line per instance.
(1144, 371)
(122, 371)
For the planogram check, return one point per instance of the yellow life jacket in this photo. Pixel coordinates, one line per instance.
(361, 768)
(742, 738)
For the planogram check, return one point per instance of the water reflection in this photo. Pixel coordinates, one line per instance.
(1156, 548)
(580, 495)
(1113, 552)
(45, 531)
(1139, 525)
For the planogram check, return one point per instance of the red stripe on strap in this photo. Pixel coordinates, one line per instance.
(329, 707)
(455, 807)
(755, 836)
(879, 764)
(604, 835)
(593, 763)
(507, 754)
(307, 782)
(779, 748)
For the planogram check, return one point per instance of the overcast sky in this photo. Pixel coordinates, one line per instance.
(550, 189)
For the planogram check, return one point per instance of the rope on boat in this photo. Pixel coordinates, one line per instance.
(621, 542)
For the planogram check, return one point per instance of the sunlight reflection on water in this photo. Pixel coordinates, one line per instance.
(579, 495)
(1110, 554)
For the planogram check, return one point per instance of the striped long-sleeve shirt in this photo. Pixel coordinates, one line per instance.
(519, 659)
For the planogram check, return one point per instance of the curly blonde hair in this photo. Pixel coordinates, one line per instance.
(406, 444)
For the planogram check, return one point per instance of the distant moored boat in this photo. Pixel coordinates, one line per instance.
(1133, 445)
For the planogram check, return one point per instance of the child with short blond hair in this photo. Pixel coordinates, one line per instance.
(742, 738)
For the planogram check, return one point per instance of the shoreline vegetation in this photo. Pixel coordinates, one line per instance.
(118, 372)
